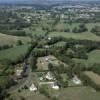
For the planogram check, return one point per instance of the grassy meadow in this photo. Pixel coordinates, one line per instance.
(14, 54)
(78, 36)
(79, 93)
(12, 40)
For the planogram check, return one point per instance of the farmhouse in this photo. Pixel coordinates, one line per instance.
(33, 87)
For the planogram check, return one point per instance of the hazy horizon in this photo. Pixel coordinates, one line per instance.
(42, 0)
(38, 1)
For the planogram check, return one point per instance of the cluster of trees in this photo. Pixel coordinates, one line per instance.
(3, 93)
(89, 45)
(96, 68)
(61, 82)
(75, 68)
(59, 69)
(15, 33)
(40, 52)
(5, 83)
(96, 30)
(33, 63)
(78, 53)
(11, 23)
(82, 28)
(88, 20)
(62, 30)
(5, 47)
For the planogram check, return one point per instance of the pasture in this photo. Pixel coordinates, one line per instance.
(78, 93)
(93, 76)
(62, 25)
(74, 93)
(27, 95)
(78, 36)
(94, 56)
(14, 54)
(12, 40)
(81, 36)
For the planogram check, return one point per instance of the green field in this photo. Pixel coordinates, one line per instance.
(94, 56)
(62, 25)
(79, 93)
(27, 95)
(74, 93)
(93, 76)
(59, 44)
(12, 40)
(79, 36)
(14, 54)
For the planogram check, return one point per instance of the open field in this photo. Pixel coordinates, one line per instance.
(62, 25)
(74, 93)
(11, 40)
(28, 95)
(79, 36)
(94, 56)
(79, 93)
(59, 44)
(85, 35)
(93, 76)
(15, 53)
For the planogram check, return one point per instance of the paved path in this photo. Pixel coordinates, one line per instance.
(46, 83)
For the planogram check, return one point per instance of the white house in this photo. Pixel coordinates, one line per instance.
(46, 46)
(55, 86)
(49, 38)
(76, 80)
(41, 78)
(49, 76)
(33, 88)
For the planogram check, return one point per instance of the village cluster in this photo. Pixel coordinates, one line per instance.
(44, 77)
